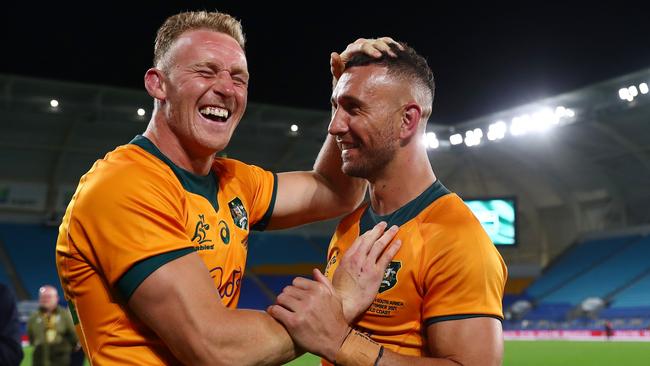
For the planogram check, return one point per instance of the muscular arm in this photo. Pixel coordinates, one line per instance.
(180, 303)
(320, 194)
(466, 342)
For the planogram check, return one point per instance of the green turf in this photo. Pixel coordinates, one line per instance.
(558, 353)
(537, 353)
(574, 353)
(27, 358)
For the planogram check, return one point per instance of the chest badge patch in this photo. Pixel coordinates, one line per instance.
(238, 213)
(390, 276)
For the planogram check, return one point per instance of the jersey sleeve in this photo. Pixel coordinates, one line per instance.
(129, 223)
(465, 278)
(258, 186)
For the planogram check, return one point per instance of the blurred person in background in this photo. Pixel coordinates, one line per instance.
(51, 331)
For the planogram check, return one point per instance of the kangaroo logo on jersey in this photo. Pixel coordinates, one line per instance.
(390, 276)
(238, 213)
(201, 231)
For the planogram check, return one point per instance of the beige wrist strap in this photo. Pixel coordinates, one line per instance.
(357, 350)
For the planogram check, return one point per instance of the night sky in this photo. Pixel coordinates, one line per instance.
(485, 58)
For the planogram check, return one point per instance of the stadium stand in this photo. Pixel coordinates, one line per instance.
(622, 265)
(637, 294)
(575, 261)
(31, 249)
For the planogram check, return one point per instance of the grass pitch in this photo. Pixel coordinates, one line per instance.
(558, 353)
(537, 353)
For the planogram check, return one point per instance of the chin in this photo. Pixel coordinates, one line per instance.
(354, 171)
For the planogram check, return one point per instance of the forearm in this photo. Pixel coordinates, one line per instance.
(235, 337)
(323, 193)
(179, 302)
(348, 191)
(250, 337)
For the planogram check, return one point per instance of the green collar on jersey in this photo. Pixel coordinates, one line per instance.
(405, 213)
(205, 186)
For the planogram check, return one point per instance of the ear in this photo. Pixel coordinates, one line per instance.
(410, 121)
(153, 82)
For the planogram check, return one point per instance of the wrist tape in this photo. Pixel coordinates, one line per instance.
(358, 350)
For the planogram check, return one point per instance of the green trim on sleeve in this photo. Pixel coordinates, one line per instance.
(73, 312)
(261, 225)
(130, 280)
(437, 319)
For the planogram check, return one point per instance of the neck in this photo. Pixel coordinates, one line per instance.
(172, 147)
(402, 180)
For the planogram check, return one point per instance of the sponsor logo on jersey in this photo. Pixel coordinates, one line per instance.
(201, 234)
(238, 213)
(224, 232)
(390, 276)
(229, 285)
(331, 261)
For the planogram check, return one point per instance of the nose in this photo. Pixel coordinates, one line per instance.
(339, 124)
(224, 84)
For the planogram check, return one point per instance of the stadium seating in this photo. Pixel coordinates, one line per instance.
(280, 249)
(549, 311)
(31, 249)
(573, 262)
(599, 280)
(638, 294)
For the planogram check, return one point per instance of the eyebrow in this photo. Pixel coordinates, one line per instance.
(215, 66)
(348, 99)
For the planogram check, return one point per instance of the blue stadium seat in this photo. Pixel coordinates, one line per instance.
(619, 268)
(31, 249)
(575, 261)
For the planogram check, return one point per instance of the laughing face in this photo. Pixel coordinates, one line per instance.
(205, 80)
(366, 121)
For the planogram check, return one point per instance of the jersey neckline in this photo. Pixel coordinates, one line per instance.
(202, 185)
(405, 213)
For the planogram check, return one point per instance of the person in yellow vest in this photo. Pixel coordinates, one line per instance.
(439, 302)
(51, 331)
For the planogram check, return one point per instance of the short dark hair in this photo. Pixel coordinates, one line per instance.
(408, 64)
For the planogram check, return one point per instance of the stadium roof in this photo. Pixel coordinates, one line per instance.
(588, 171)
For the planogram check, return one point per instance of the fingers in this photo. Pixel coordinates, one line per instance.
(288, 301)
(380, 244)
(383, 45)
(364, 242)
(280, 313)
(389, 254)
(319, 277)
(370, 47)
(303, 283)
(336, 65)
(388, 40)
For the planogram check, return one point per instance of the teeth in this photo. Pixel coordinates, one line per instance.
(215, 111)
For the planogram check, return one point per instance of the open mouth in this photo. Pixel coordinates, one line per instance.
(347, 146)
(214, 113)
